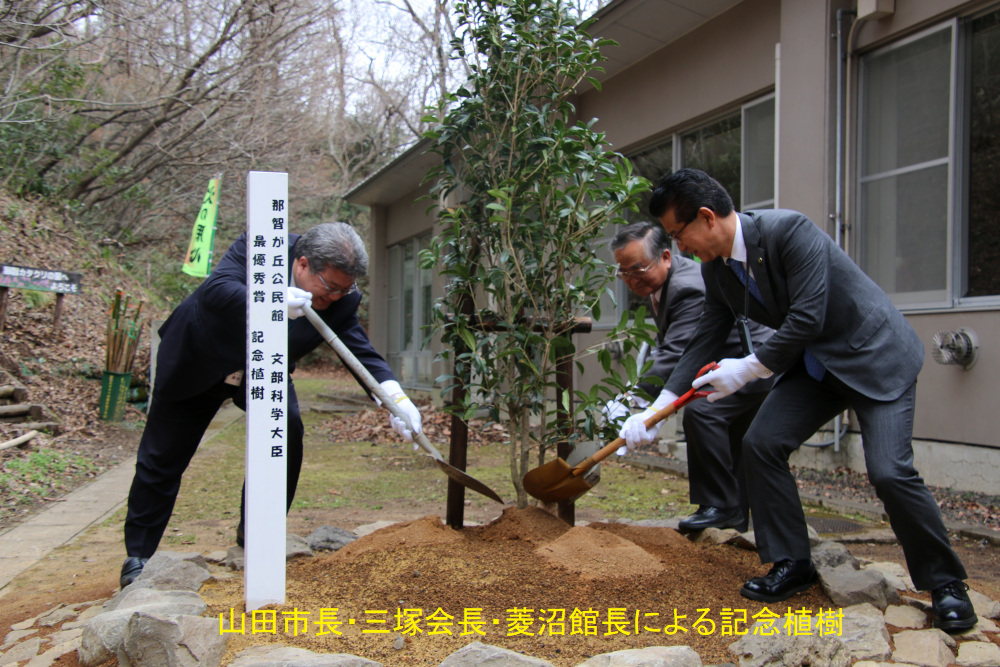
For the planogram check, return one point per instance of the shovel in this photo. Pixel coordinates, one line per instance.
(352, 362)
(557, 481)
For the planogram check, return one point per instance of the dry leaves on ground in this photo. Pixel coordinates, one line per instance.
(372, 425)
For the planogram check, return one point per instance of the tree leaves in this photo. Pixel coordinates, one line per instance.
(538, 188)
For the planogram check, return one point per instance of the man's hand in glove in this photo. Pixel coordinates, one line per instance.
(296, 299)
(397, 396)
(731, 375)
(615, 410)
(635, 432)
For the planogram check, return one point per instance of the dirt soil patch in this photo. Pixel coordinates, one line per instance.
(413, 593)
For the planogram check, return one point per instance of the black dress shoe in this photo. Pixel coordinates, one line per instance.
(712, 517)
(131, 569)
(786, 578)
(952, 609)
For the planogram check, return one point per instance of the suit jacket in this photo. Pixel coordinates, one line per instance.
(815, 297)
(204, 339)
(682, 299)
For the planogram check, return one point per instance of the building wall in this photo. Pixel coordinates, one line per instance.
(804, 161)
(909, 16)
(956, 405)
(670, 89)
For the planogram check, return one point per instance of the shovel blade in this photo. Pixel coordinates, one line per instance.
(468, 481)
(554, 482)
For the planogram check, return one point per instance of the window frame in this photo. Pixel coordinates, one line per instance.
(957, 255)
(395, 355)
(907, 300)
(772, 202)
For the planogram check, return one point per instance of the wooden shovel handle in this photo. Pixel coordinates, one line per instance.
(606, 451)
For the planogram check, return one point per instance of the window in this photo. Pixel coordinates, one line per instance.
(929, 233)
(409, 304)
(904, 168)
(983, 238)
(737, 150)
(715, 149)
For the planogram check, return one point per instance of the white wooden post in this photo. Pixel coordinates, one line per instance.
(267, 381)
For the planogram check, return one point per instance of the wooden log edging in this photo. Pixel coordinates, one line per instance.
(19, 409)
(13, 392)
(20, 440)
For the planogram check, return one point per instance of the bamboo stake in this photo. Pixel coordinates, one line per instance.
(123, 334)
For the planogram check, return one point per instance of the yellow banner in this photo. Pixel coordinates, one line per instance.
(198, 262)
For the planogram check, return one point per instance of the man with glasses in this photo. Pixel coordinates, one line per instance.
(714, 432)
(840, 343)
(201, 362)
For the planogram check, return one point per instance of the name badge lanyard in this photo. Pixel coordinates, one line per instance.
(742, 323)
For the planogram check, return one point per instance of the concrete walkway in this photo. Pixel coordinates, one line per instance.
(27, 543)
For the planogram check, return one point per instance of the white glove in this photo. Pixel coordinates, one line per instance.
(296, 299)
(615, 410)
(635, 432)
(731, 375)
(397, 396)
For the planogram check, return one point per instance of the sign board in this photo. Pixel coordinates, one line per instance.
(24, 277)
(267, 381)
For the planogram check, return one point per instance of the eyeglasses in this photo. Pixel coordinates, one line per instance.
(625, 274)
(337, 292)
(676, 236)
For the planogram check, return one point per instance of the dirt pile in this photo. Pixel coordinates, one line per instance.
(426, 531)
(526, 581)
(594, 554)
(531, 524)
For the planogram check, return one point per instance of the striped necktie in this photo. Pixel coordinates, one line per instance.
(741, 273)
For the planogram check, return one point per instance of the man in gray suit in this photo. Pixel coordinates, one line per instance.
(714, 431)
(839, 343)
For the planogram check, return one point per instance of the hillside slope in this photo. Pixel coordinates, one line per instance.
(61, 370)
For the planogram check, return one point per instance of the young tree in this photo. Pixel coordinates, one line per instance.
(526, 191)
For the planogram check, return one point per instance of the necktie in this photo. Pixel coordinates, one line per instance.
(741, 273)
(814, 368)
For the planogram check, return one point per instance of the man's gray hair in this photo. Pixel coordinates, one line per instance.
(654, 238)
(333, 244)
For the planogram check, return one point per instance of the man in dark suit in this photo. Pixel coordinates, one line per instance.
(713, 431)
(839, 343)
(201, 362)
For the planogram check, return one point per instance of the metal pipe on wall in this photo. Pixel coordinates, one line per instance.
(838, 197)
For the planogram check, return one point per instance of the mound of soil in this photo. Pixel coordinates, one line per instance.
(594, 554)
(531, 524)
(413, 593)
(428, 530)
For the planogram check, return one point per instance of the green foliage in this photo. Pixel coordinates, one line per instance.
(527, 192)
(41, 473)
